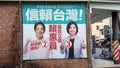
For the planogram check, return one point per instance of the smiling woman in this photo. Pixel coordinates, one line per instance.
(73, 44)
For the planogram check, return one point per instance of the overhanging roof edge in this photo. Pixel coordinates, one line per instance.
(93, 1)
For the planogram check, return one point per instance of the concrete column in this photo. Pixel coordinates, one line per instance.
(115, 26)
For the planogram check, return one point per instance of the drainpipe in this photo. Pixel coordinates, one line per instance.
(115, 44)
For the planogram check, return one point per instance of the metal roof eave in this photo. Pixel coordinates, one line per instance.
(93, 1)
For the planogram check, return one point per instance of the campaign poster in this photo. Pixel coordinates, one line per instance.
(54, 31)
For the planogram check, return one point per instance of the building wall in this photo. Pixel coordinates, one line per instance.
(56, 63)
(9, 35)
(10, 43)
(97, 32)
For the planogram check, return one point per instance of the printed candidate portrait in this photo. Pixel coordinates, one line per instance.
(54, 31)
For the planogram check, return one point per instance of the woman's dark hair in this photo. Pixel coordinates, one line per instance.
(41, 23)
(68, 27)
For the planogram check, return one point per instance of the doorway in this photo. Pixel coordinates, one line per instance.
(102, 48)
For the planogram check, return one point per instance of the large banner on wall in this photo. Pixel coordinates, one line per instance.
(54, 30)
